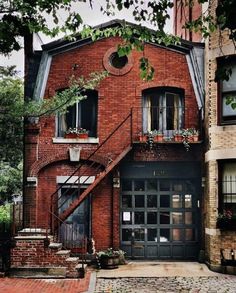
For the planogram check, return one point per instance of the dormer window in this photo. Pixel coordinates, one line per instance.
(163, 110)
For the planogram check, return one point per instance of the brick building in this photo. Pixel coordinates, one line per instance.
(220, 155)
(113, 187)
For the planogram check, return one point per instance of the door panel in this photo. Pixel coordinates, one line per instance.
(159, 219)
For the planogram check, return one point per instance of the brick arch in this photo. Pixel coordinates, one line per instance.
(153, 84)
(47, 160)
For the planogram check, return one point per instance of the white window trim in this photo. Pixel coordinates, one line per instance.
(92, 140)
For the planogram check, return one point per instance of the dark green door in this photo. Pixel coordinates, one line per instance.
(160, 218)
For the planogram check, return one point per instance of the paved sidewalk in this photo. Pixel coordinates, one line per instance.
(16, 285)
(158, 269)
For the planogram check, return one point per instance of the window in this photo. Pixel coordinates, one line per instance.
(227, 188)
(163, 109)
(228, 89)
(82, 114)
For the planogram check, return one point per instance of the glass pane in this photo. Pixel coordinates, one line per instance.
(139, 218)
(164, 201)
(189, 235)
(126, 234)
(151, 218)
(176, 201)
(164, 185)
(188, 218)
(152, 235)
(188, 200)
(127, 185)
(139, 185)
(126, 218)
(178, 187)
(164, 218)
(151, 185)
(139, 200)
(139, 234)
(151, 201)
(177, 218)
(177, 234)
(164, 235)
(127, 201)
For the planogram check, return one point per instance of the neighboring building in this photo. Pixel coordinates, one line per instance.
(220, 156)
(122, 192)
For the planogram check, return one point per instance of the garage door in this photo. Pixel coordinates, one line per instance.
(159, 218)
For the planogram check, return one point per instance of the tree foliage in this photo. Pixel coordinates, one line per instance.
(11, 124)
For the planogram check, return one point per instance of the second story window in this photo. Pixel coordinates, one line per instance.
(228, 91)
(163, 109)
(82, 114)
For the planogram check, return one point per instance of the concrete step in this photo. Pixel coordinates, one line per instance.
(33, 231)
(38, 273)
(63, 252)
(72, 259)
(55, 246)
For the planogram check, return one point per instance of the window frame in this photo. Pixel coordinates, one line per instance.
(78, 116)
(221, 165)
(162, 92)
(224, 62)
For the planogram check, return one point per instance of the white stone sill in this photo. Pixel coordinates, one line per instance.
(75, 140)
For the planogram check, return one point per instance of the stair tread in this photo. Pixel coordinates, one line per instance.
(72, 259)
(63, 252)
(55, 245)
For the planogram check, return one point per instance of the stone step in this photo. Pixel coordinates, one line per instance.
(55, 245)
(63, 252)
(38, 273)
(33, 231)
(72, 259)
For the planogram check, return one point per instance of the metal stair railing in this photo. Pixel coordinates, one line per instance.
(55, 220)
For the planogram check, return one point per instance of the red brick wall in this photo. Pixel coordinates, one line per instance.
(183, 14)
(117, 95)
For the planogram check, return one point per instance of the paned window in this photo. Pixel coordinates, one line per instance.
(82, 114)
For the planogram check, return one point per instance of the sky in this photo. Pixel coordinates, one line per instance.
(90, 17)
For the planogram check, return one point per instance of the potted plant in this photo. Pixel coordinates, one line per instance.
(178, 136)
(82, 133)
(191, 134)
(157, 135)
(71, 133)
(226, 220)
(143, 137)
(76, 133)
(110, 258)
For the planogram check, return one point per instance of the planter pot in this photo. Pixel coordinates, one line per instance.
(196, 138)
(178, 138)
(158, 138)
(109, 262)
(71, 135)
(143, 138)
(83, 135)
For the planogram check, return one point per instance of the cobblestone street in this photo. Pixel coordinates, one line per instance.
(217, 284)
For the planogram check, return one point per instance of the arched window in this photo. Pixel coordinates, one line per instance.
(163, 109)
(82, 114)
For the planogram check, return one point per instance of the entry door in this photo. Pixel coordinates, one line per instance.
(159, 219)
(75, 228)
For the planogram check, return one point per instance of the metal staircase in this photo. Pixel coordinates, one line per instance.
(57, 217)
